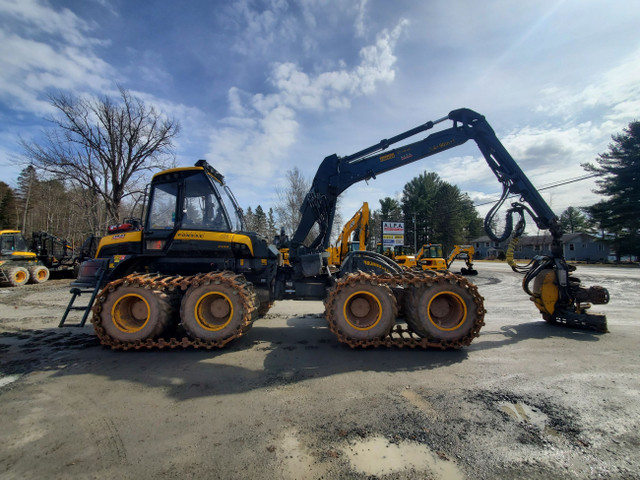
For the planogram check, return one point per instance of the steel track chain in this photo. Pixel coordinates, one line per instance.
(171, 285)
(400, 336)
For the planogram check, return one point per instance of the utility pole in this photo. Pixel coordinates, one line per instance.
(415, 235)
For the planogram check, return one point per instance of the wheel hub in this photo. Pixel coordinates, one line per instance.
(447, 311)
(362, 310)
(214, 311)
(131, 313)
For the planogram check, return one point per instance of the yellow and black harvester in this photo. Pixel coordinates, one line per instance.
(191, 275)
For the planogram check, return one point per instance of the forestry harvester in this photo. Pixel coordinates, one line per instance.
(192, 276)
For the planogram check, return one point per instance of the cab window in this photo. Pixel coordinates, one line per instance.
(162, 213)
(202, 207)
(13, 243)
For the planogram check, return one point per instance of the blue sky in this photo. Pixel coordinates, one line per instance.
(263, 86)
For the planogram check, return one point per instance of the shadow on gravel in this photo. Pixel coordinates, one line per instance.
(537, 330)
(266, 357)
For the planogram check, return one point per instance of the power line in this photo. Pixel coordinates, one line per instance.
(547, 187)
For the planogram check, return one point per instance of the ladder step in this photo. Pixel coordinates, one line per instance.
(75, 293)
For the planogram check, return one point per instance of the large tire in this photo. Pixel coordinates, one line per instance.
(38, 274)
(215, 311)
(443, 311)
(134, 313)
(363, 310)
(264, 308)
(17, 276)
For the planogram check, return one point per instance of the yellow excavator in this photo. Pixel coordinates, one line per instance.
(431, 257)
(359, 224)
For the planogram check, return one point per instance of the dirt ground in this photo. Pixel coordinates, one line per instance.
(525, 400)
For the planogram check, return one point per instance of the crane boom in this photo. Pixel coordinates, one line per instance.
(336, 174)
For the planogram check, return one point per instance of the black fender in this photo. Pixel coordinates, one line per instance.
(372, 262)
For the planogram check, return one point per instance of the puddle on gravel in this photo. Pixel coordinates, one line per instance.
(376, 456)
(8, 379)
(297, 462)
(524, 413)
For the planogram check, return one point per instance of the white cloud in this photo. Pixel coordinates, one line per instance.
(43, 49)
(359, 23)
(261, 29)
(262, 127)
(616, 90)
(39, 17)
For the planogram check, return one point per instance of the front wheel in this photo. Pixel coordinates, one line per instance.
(444, 311)
(134, 313)
(362, 310)
(17, 276)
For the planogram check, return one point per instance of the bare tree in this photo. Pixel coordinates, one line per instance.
(290, 200)
(103, 145)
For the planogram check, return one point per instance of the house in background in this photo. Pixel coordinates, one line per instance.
(487, 249)
(576, 247)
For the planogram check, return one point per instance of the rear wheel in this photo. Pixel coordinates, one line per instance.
(38, 274)
(215, 311)
(135, 313)
(17, 276)
(363, 310)
(264, 308)
(443, 311)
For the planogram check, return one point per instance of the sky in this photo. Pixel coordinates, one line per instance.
(261, 87)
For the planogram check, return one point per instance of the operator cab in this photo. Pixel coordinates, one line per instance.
(12, 243)
(432, 251)
(191, 198)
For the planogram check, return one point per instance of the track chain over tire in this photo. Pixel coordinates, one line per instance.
(172, 286)
(400, 336)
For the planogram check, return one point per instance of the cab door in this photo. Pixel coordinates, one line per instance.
(162, 217)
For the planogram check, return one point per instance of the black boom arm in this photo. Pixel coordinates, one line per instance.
(336, 174)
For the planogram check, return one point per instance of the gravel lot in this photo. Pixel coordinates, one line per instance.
(525, 400)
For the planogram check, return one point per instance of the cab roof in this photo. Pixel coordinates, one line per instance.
(200, 165)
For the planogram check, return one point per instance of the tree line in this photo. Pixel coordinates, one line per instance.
(89, 169)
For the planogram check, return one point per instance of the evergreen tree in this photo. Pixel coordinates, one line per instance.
(573, 220)
(261, 222)
(8, 207)
(438, 212)
(272, 229)
(249, 220)
(619, 180)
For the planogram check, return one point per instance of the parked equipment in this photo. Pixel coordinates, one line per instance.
(19, 265)
(430, 257)
(358, 225)
(193, 277)
(54, 252)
